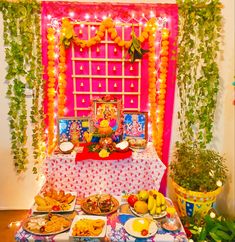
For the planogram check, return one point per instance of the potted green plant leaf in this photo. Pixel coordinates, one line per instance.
(198, 175)
(212, 227)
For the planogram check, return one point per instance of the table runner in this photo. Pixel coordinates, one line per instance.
(86, 154)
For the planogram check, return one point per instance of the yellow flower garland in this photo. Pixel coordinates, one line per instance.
(162, 89)
(157, 120)
(107, 24)
(62, 81)
(152, 80)
(51, 87)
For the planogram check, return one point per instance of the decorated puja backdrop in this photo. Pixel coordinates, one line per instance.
(85, 51)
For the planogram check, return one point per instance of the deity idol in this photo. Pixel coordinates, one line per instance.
(74, 132)
(134, 128)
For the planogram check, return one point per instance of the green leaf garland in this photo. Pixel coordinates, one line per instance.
(198, 73)
(23, 56)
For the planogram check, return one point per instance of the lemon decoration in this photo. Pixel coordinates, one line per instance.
(103, 153)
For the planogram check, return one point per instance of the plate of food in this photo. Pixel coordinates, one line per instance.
(47, 224)
(141, 227)
(88, 226)
(159, 215)
(137, 145)
(100, 204)
(54, 201)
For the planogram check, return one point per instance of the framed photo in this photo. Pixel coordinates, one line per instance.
(135, 125)
(72, 129)
(107, 110)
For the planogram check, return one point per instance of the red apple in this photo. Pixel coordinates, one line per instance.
(132, 199)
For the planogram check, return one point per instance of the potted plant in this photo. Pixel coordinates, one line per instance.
(198, 175)
(211, 227)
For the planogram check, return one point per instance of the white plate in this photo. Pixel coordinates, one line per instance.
(79, 217)
(42, 219)
(138, 149)
(155, 216)
(128, 227)
(72, 206)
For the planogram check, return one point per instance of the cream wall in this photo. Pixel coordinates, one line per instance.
(17, 191)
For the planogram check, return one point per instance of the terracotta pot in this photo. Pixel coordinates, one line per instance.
(191, 202)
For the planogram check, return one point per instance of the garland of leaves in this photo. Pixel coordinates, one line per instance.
(198, 73)
(23, 56)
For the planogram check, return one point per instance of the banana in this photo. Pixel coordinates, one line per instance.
(40, 201)
(163, 200)
(158, 200)
(150, 202)
(153, 210)
(163, 207)
(158, 210)
(153, 192)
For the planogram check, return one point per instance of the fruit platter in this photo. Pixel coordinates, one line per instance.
(47, 224)
(88, 226)
(54, 201)
(100, 204)
(148, 204)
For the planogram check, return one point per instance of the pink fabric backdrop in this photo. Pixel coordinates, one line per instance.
(53, 12)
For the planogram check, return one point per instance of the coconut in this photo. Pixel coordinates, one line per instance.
(66, 147)
(122, 146)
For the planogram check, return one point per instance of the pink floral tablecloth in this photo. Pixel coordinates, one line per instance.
(141, 171)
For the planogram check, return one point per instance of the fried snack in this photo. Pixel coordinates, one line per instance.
(44, 208)
(53, 198)
(51, 201)
(40, 201)
(70, 198)
(61, 194)
(88, 227)
(56, 224)
(54, 194)
(47, 224)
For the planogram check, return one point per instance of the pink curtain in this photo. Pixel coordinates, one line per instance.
(52, 14)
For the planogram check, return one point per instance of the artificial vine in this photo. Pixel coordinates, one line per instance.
(24, 72)
(198, 73)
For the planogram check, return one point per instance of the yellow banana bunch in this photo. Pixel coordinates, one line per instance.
(156, 202)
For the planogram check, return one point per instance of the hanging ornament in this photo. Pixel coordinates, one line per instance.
(135, 51)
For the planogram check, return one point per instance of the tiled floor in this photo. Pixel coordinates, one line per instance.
(10, 216)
